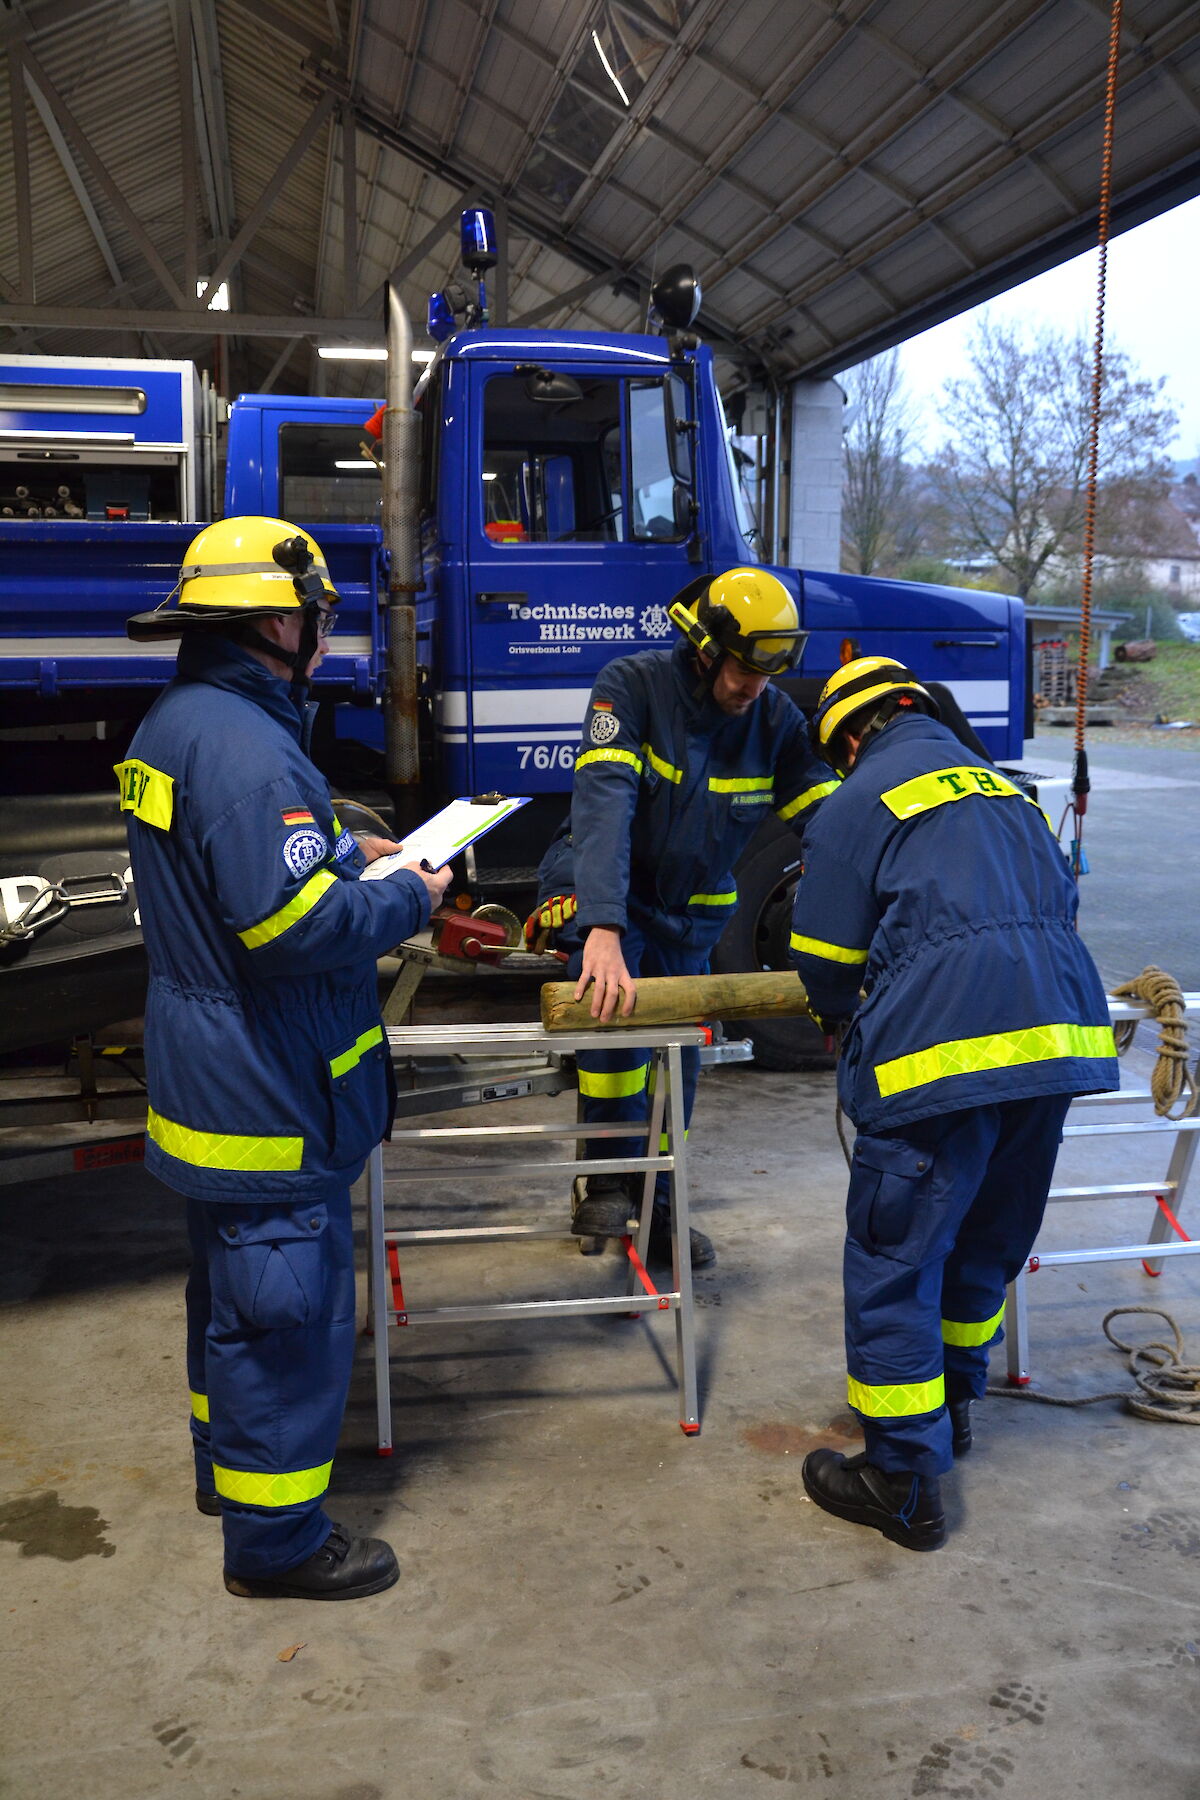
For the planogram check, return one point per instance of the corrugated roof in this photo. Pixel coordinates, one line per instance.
(839, 175)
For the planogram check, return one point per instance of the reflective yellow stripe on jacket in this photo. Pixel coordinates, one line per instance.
(267, 930)
(249, 1487)
(806, 946)
(667, 770)
(742, 784)
(968, 1335)
(223, 1149)
(341, 1065)
(896, 1400)
(926, 791)
(998, 1050)
(609, 756)
(145, 792)
(808, 798)
(199, 1406)
(713, 899)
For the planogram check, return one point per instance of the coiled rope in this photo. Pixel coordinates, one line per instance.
(1166, 1388)
(1170, 1083)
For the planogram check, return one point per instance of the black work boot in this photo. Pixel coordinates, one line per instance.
(208, 1504)
(659, 1248)
(344, 1568)
(603, 1209)
(906, 1508)
(960, 1423)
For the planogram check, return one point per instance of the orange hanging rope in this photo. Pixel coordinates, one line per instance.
(1080, 785)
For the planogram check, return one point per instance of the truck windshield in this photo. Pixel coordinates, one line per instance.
(323, 475)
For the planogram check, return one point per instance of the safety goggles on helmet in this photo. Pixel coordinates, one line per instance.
(745, 613)
(855, 688)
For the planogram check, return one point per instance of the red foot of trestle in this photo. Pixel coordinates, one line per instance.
(689, 1430)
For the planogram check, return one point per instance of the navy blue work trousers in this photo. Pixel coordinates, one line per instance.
(940, 1217)
(270, 1343)
(613, 1083)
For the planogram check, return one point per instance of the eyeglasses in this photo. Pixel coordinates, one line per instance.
(325, 621)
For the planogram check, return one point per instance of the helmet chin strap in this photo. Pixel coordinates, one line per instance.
(708, 676)
(297, 660)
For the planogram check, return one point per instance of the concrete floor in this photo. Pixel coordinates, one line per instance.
(592, 1604)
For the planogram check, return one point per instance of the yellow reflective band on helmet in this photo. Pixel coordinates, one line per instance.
(341, 1065)
(713, 899)
(612, 1084)
(145, 792)
(667, 770)
(926, 791)
(806, 946)
(267, 930)
(971, 1336)
(609, 756)
(741, 784)
(224, 1149)
(999, 1050)
(895, 1400)
(247, 1487)
(809, 797)
(199, 1406)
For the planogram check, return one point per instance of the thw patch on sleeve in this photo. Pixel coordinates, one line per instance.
(304, 849)
(605, 724)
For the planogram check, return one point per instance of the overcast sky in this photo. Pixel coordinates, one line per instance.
(1152, 312)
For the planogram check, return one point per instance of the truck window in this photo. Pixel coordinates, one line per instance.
(552, 467)
(651, 475)
(324, 476)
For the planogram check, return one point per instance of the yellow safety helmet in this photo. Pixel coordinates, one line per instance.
(744, 613)
(858, 687)
(242, 568)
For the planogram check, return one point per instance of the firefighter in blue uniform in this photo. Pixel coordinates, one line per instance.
(268, 1074)
(934, 885)
(685, 752)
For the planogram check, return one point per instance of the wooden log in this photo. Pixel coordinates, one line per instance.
(682, 1000)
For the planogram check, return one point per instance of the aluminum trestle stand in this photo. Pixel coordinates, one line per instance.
(386, 1304)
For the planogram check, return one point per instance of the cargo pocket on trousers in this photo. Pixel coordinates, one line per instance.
(887, 1210)
(275, 1264)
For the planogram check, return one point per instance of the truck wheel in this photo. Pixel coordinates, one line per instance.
(757, 938)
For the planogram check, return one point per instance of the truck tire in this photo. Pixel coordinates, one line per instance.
(757, 938)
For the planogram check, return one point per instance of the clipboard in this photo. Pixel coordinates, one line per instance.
(447, 834)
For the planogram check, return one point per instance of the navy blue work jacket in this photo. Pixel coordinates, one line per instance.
(266, 1059)
(936, 885)
(668, 792)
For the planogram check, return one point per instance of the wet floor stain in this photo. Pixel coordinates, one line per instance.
(43, 1526)
(776, 1438)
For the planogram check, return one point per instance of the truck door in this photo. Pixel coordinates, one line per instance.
(577, 530)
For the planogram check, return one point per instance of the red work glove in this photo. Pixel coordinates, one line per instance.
(558, 910)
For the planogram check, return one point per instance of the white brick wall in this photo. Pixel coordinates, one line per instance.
(815, 513)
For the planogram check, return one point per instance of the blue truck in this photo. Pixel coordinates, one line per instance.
(543, 496)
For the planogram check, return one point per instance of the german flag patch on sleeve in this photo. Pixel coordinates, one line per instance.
(297, 815)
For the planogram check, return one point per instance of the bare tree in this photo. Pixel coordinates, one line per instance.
(874, 476)
(1012, 476)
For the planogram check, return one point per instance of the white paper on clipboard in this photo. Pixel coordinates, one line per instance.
(447, 834)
